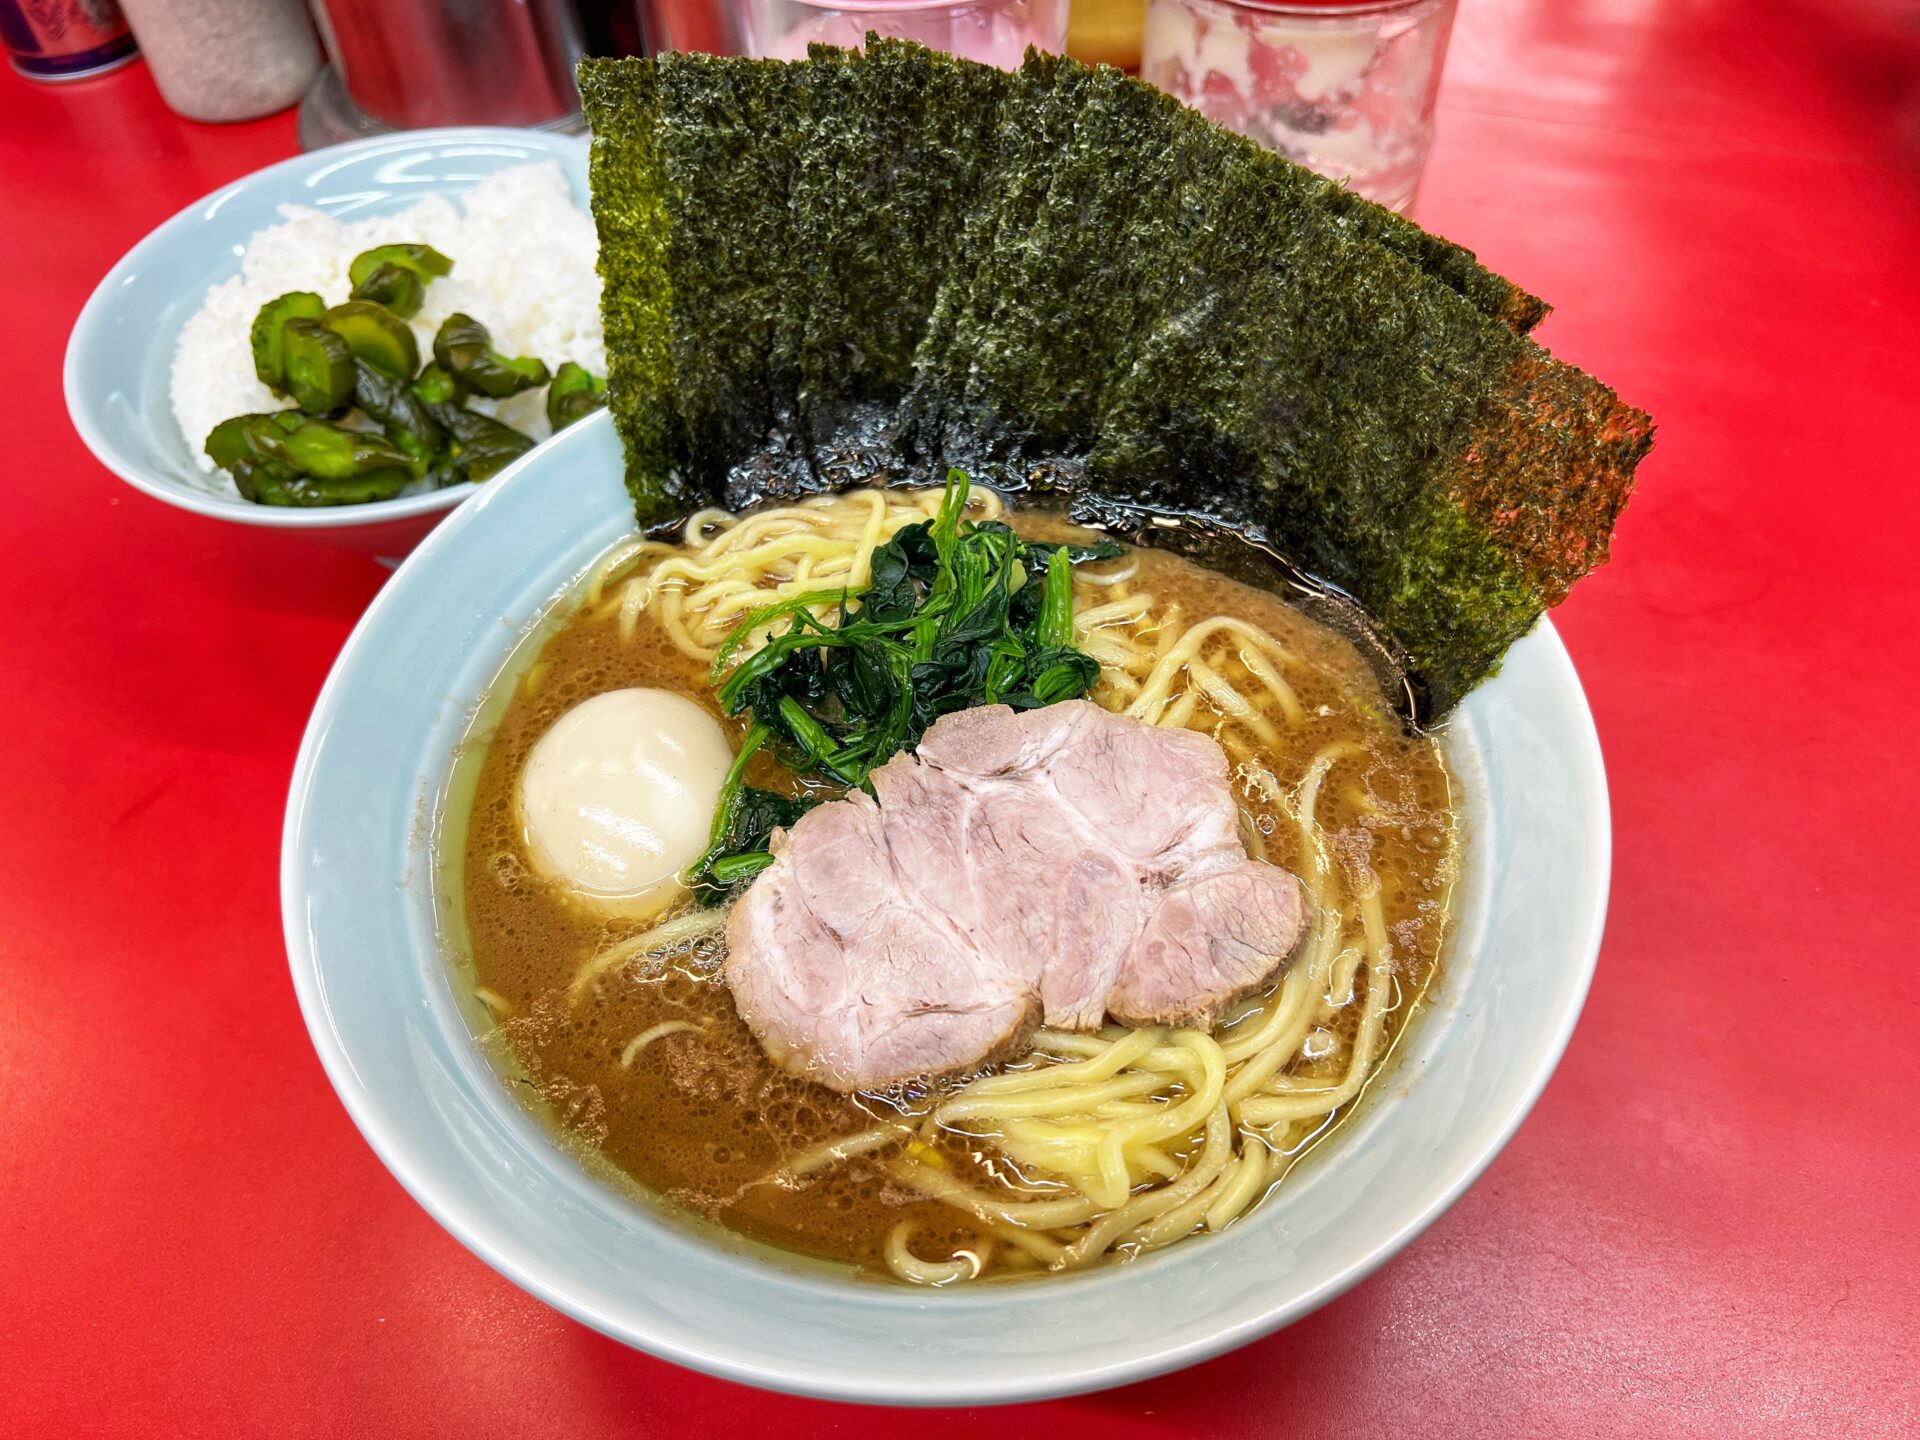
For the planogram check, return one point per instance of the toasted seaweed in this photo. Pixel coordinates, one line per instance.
(1549, 467)
(727, 138)
(1452, 265)
(898, 152)
(1085, 255)
(1346, 395)
(628, 183)
(1108, 189)
(1033, 119)
(870, 267)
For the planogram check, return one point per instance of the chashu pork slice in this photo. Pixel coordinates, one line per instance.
(1062, 864)
(846, 979)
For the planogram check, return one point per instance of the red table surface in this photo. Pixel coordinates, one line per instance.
(1709, 1225)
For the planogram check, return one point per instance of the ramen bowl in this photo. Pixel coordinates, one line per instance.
(396, 1032)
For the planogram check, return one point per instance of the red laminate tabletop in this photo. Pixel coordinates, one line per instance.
(1711, 1224)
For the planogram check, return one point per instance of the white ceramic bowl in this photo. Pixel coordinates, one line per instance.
(357, 885)
(120, 355)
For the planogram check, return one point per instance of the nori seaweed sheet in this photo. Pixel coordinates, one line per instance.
(1319, 379)
(1087, 255)
(1549, 468)
(1032, 121)
(1452, 265)
(727, 140)
(876, 266)
(884, 159)
(1344, 395)
(636, 308)
(897, 155)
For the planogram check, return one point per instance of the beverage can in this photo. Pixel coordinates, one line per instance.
(65, 39)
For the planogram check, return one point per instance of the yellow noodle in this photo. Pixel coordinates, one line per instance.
(1139, 1210)
(1110, 1056)
(1183, 1218)
(1155, 1161)
(1054, 1100)
(1092, 617)
(822, 1157)
(693, 925)
(1043, 1248)
(965, 1264)
(725, 568)
(1230, 701)
(1267, 1110)
(1243, 1184)
(1035, 1214)
(1124, 571)
(648, 1036)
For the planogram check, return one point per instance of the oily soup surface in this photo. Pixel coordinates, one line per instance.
(702, 1117)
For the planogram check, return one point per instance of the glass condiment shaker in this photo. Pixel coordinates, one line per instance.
(997, 32)
(225, 60)
(1344, 88)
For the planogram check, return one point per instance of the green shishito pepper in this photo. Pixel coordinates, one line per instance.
(423, 260)
(320, 448)
(286, 458)
(434, 386)
(319, 366)
(401, 414)
(227, 444)
(465, 350)
(376, 335)
(266, 483)
(394, 286)
(481, 446)
(267, 335)
(363, 353)
(574, 394)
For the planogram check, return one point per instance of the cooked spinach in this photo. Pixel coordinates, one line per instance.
(956, 613)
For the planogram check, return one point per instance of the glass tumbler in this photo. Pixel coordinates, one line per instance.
(997, 32)
(1344, 88)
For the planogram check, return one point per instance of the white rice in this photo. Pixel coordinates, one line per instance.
(523, 257)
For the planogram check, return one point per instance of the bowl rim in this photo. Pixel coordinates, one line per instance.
(99, 304)
(505, 1254)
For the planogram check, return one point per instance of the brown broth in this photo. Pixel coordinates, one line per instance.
(702, 1119)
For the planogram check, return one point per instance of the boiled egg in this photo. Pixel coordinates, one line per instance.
(618, 796)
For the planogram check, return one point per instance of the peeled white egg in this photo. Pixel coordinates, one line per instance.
(617, 797)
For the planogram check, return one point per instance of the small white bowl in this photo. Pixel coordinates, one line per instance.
(373, 979)
(120, 355)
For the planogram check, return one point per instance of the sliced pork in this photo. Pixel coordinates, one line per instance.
(1056, 865)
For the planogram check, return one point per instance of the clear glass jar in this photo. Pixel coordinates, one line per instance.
(997, 32)
(1344, 88)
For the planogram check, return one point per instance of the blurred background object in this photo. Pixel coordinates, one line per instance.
(1344, 88)
(225, 60)
(408, 64)
(612, 27)
(1107, 32)
(65, 39)
(711, 26)
(996, 32)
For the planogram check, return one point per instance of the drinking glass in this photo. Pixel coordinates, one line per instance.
(1342, 87)
(997, 32)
